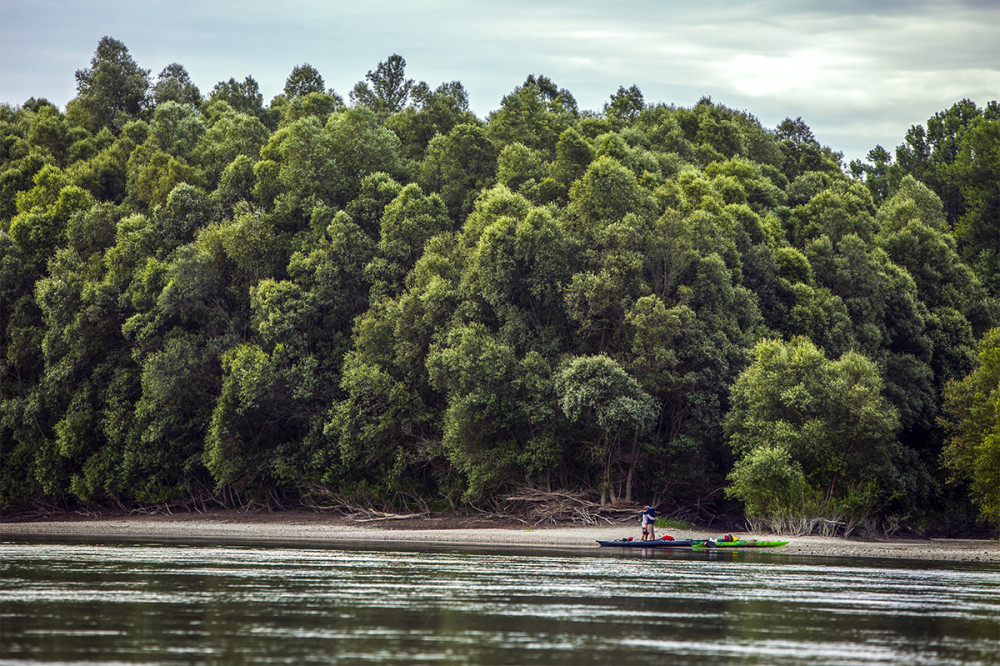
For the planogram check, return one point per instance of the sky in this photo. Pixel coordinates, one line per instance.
(858, 72)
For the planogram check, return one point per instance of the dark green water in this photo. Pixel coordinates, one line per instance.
(177, 604)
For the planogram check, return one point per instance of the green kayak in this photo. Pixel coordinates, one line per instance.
(739, 543)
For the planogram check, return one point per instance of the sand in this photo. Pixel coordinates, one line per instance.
(323, 529)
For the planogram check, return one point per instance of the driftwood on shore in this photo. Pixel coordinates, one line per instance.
(558, 507)
(389, 516)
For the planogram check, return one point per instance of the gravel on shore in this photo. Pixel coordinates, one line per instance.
(273, 528)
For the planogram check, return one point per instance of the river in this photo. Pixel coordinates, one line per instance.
(171, 603)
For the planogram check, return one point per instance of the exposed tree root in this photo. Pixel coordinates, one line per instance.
(554, 507)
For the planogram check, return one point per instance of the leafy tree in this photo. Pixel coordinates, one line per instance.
(105, 174)
(534, 114)
(247, 434)
(162, 460)
(408, 222)
(92, 231)
(44, 211)
(303, 159)
(236, 183)
(316, 165)
(458, 166)
(229, 136)
(385, 90)
(971, 414)
(363, 147)
(573, 156)
(800, 416)
(718, 136)
(485, 418)
(153, 174)
(175, 129)
(50, 131)
(762, 195)
(303, 80)
(610, 408)
(322, 105)
(835, 212)
(520, 167)
(22, 429)
(386, 429)
(18, 176)
(976, 170)
(242, 97)
(914, 234)
(186, 211)
(625, 105)
(801, 151)
(607, 192)
(376, 191)
(772, 487)
(879, 175)
(173, 84)
(431, 113)
(519, 266)
(112, 91)
(927, 154)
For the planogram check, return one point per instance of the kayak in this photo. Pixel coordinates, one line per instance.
(739, 543)
(652, 543)
(698, 544)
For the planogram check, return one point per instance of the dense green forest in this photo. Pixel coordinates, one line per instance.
(385, 300)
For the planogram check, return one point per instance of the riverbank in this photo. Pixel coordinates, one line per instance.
(331, 529)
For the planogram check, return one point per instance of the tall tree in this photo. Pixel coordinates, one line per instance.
(112, 91)
(174, 84)
(303, 80)
(625, 105)
(385, 90)
(243, 97)
(613, 413)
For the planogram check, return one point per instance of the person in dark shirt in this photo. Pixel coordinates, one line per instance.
(648, 517)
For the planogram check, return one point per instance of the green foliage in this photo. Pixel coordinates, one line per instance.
(395, 302)
(243, 97)
(431, 113)
(810, 434)
(459, 165)
(304, 80)
(112, 91)
(230, 135)
(608, 405)
(173, 84)
(625, 105)
(606, 192)
(971, 415)
(534, 114)
(770, 484)
(385, 90)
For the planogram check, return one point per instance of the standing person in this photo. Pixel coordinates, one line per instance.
(648, 517)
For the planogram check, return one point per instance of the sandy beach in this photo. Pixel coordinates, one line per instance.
(327, 529)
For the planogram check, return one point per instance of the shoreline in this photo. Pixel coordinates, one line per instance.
(331, 530)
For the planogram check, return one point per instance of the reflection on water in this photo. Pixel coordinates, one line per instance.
(167, 604)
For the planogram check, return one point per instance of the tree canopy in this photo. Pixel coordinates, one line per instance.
(213, 300)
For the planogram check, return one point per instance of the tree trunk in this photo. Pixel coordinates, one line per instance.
(633, 463)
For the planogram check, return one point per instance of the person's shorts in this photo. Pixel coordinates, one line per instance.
(645, 530)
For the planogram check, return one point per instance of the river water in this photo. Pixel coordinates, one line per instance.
(169, 603)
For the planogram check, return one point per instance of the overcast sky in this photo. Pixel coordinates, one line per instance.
(859, 73)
